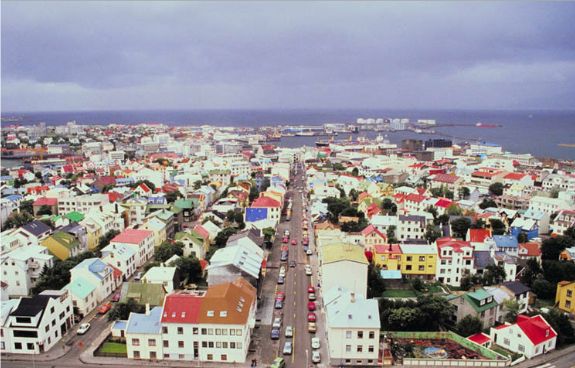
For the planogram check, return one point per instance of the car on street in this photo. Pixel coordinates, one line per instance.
(285, 239)
(287, 348)
(277, 322)
(279, 304)
(294, 242)
(275, 334)
(138, 276)
(281, 280)
(308, 270)
(282, 271)
(278, 363)
(315, 357)
(310, 289)
(84, 327)
(315, 343)
(104, 308)
(311, 327)
(286, 232)
(280, 295)
(308, 252)
(116, 297)
(292, 264)
(311, 296)
(311, 317)
(284, 256)
(289, 331)
(311, 306)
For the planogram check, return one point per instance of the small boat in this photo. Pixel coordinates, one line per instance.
(485, 125)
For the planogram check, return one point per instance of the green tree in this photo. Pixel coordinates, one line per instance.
(167, 250)
(172, 196)
(437, 311)
(469, 325)
(354, 226)
(58, 276)
(269, 234)
(197, 184)
(355, 171)
(493, 275)
(497, 226)
(391, 234)
(531, 271)
(221, 239)
(543, 289)
(27, 206)
(353, 194)
(496, 189)
(254, 193)
(417, 284)
(464, 192)
(189, 269)
(16, 219)
(44, 210)
(405, 319)
(431, 233)
(511, 306)
(148, 183)
(460, 227)
(149, 265)
(552, 247)
(555, 271)
(454, 210)
(561, 324)
(522, 238)
(375, 283)
(121, 311)
(487, 203)
(388, 207)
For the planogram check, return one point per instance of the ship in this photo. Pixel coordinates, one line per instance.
(485, 125)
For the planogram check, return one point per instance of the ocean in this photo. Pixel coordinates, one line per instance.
(535, 132)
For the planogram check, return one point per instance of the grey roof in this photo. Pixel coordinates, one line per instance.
(516, 287)
(482, 259)
(252, 234)
(30, 307)
(37, 228)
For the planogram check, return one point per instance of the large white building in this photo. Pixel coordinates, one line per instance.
(82, 203)
(341, 256)
(142, 241)
(91, 281)
(454, 260)
(22, 267)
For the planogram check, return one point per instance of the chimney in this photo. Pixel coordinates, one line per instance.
(352, 294)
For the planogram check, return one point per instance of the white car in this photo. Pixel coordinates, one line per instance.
(315, 343)
(84, 327)
(288, 348)
(315, 356)
(277, 322)
(308, 252)
(289, 331)
(308, 270)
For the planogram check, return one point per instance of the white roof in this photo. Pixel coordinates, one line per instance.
(30, 251)
(122, 251)
(239, 256)
(381, 220)
(351, 311)
(417, 249)
(160, 273)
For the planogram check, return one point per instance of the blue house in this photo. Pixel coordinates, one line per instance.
(256, 214)
(506, 243)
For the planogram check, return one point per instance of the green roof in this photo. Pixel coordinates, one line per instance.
(164, 215)
(143, 294)
(55, 218)
(80, 287)
(474, 298)
(193, 236)
(184, 203)
(67, 240)
(74, 216)
(342, 252)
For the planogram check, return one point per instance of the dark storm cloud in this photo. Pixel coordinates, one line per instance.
(94, 55)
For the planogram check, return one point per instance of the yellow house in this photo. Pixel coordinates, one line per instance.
(62, 245)
(388, 256)
(565, 297)
(93, 234)
(418, 260)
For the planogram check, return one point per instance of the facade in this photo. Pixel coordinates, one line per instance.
(478, 303)
(454, 260)
(418, 260)
(336, 257)
(63, 245)
(82, 203)
(22, 267)
(565, 296)
(121, 256)
(142, 241)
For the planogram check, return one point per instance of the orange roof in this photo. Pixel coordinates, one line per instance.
(388, 249)
(530, 249)
(478, 235)
(228, 303)
(515, 176)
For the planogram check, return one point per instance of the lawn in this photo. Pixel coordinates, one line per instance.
(113, 347)
(434, 288)
(399, 293)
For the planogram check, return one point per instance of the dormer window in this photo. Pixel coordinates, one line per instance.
(223, 313)
(210, 313)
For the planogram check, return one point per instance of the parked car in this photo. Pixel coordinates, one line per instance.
(284, 257)
(138, 276)
(315, 357)
(279, 304)
(287, 348)
(308, 270)
(294, 242)
(277, 322)
(285, 239)
(310, 289)
(281, 280)
(311, 327)
(275, 334)
(308, 252)
(282, 271)
(84, 327)
(116, 297)
(311, 306)
(311, 296)
(315, 343)
(278, 363)
(280, 295)
(289, 331)
(311, 317)
(292, 264)
(104, 308)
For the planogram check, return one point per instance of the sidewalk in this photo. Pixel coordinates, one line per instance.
(549, 358)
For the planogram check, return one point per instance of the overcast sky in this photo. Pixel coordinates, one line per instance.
(184, 55)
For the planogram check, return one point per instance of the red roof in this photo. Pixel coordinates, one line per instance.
(443, 203)
(372, 209)
(265, 202)
(415, 198)
(479, 338)
(536, 328)
(202, 231)
(145, 188)
(515, 176)
(451, 242)
(43, 201)
(388, 249)
(182, 308)
(532, 249)
(132, 236)
(445, 178)
(372, 229)
(68, 168)
(478, 235)
(115, 196)
(483, 174)
(203, 264)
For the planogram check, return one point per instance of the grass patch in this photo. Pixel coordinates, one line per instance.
(399, 293)
(504, 352)
(544, 303)
(113, 347)
(434, 289)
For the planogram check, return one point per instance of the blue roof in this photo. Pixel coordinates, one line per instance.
(141, 323)
(5, 177)
(390, 274)
(256, 214)
(95, 265)
(81, 287)
(14, 197)
(505, 241)
(119, 325)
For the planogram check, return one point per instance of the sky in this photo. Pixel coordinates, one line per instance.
(93, 55)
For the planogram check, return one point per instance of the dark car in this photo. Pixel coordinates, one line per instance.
(279, 304)
(275, 335)
(292, 264)
(281, 280)
(284, 257)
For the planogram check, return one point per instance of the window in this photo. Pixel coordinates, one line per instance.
(348, 348)
(180, 344)
(348, 334)
(239, 345)
(370, 348)
(408, 267)
(52, 310)
(136, 354)
(210, 344)
(218, 331)
(359, 348)
(422, 268)
(360, 334)
(568, 304)
(521, 348)
(421, 258)
(152, 355)
(218, 344)
(210, 357)
(204, 331)
(409, 258)
(164, 329)
(195, 330)
(18, 346)
(569, 293)
(232, 345)
(136, 342)
(506, 341)
(30, 346)
(371, 334)
(224, 331)
(224, 357)
(166, 344)
(210, 331)
(47, 328)
(151, 342)
(180, 330)
(23, 320)
(225, 344)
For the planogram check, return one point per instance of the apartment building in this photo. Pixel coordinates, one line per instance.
(141, 240)
(418, 260)
(454, 260)
(22, 267)
(82, 203)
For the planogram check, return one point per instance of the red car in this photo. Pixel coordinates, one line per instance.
(311, 289)
(294, 242)
(311, 306)
(280, 295)
(285, 239)
(104, 308)
(311, 317)
(305, 241)
(116, 297)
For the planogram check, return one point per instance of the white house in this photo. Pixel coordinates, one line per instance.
(161, 275)
(22, 267)
(455, 259)
(530, 336)
(339, 256)
(143, 335)
(121, 256)
(141, 240)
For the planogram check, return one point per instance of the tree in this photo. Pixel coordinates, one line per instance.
(388, 207)
(172, 196)
(149, 265)
(391, 234)
(44, 210)
(469, 325)
(443, 219)
(478, 224)
(167, 250)
(431, 233)
(122, 310)
(417, 284)
(555, 271)
(197, 184)
(460, 227)
(487, 203)
(522, 238)
(493, 275)
(222, 238)
(16, 219)
(512, 308)
(107, 188)
(338, 167)
(404, 319)
(355, 171)
(436, 310)
(464, 192)
(58, 276)
(375, 283)
(105, 240)
(254, 193)
(27, 206)
(269, 234)
(497, 226)
(561, 324)
(354, 226)
(148, 183)
(531, 271)
(454, 210)
(353, 194)
(552, 247)
(496, 189)
(189, 269)
(543, 289)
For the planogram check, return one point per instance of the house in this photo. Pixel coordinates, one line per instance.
(251, 236)
(272, 206)
(477, 303)
(157, 227)
(418, 260)
(372, 237)
(82, 203)
(530, 336)
(480, 339)
(352, 328)
(165, 276)
(22, 267)
(454, 260)
(518, 292)
(341, 256)
(529, 250)
(122, 257)
(567, 255)
(77, 231)
(143, 335)
(184, 208)
(507, 244)
(411, 227)
(235, 260)
(209, 326)
(565, 296)
(91, 275)
(194, 244)
(15, 238)
(563, 221)
(83, 294)
(141, 240)
(36, 229)
(34, 325)
(49, 203)
(63, 245)
(388, 257)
